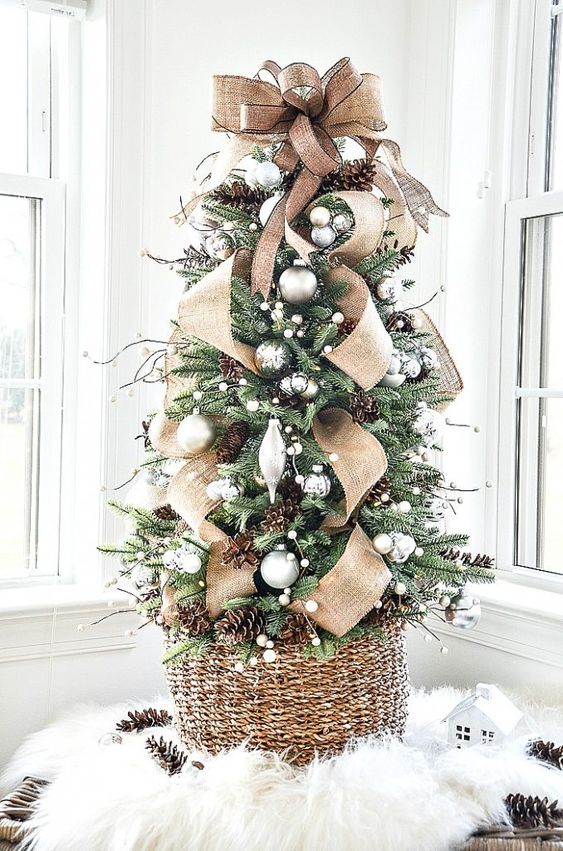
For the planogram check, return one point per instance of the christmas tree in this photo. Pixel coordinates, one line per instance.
(288, 498)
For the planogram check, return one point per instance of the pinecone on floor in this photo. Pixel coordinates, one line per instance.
(142, 719)
(345, 328)
(357, 175)
(238, 552)
(278, 516)
(232, 442)
(296, 630)
(547, 752)
(363, 407)
(166, 512)
(238, 194)
(230, 368)
(168, 756)
(381, 491)
(244, 624)
(532, 812)
(195, 618)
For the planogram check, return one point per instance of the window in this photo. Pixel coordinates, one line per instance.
(32, 273)
(463, 733)
(531, 411)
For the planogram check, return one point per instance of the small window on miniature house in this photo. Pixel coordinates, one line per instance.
(487, 736)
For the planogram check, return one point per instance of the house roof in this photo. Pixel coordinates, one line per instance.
(493, 704)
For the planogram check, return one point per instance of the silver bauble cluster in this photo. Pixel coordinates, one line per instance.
(395, 545)
(298, 284)
(325, 227)
(299, 384)
(196, 434)
(225, 489)
(280, 568)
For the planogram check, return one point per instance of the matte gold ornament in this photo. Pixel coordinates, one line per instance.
(279, 569)
(196, 434)
(298, 284)
(319, 217)
(272, 357)
(272, 457)
(311, 391)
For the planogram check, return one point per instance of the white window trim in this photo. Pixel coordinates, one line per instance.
(51, 194)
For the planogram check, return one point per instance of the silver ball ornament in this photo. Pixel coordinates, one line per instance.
(317, 483)
(463, 611)
(341, 223)
(279, 569)
(319, 217)
(298, 284)
(267, 174)
(298, 382)
(196, 434)
(389, 289)
(182, 560)
(230, 489)
(410, 365)
(220, 246)
(403, 547)
(213, 489)
(428, 424)
(272, 357)
(144, 577)
(323, 237)
(428, 357)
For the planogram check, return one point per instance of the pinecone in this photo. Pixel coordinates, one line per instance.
(238, 194)
(238, 552)
(527, 813)
(363, 407)
(195, 618)
(380, 488)
(357, 175)
(244, 624)
(400, 321)
(230, 368)
(232, 442)
(468, 559)
(345, 328)
(167, 755)
(289, 489)
(142, 719)
(166, 512)
(547, 752)
(145, 425)
(296, 630)
(279, 515)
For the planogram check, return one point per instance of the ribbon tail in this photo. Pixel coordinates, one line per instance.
(417, 196)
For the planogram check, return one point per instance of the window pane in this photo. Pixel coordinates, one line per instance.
(540, 484)
(13, 88)
(18, 495)
(541, 363)
(19, 326)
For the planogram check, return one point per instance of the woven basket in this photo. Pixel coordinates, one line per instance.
(296, 705)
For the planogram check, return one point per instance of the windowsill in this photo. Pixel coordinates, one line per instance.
(518, 598)
(41, 599)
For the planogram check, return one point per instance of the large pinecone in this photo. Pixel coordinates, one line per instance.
(238, 552)
(232, 442)
(547, 752)
(363, 407)
(230, 368)
(168, 756)
(296, 629)
(166, 512)
(357, 175)
(382, 488)
(195, 618)
(238, 194)
(279, 515)
(142, 719)
(244, 624)
(532, 812)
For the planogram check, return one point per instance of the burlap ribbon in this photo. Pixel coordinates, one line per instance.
(305, 113)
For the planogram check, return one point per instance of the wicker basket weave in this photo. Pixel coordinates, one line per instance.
(296, 705)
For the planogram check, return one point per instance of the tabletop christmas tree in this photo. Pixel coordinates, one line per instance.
(288, 519)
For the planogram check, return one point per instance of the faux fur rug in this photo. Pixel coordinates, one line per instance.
(419, 795)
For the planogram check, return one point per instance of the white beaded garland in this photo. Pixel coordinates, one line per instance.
(261, 640)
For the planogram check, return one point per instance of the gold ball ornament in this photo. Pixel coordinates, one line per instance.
(196, 434)
(311, 391)
(319, 217)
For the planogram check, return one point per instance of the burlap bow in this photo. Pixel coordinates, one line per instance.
(305, 112)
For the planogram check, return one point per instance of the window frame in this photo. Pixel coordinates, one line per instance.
(50, 382)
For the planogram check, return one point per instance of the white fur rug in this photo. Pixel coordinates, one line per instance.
(419, 795)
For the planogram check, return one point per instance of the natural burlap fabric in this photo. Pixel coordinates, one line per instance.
(351, 588)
